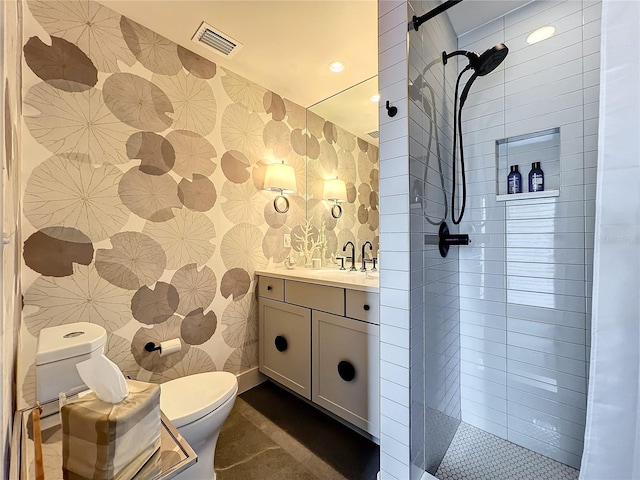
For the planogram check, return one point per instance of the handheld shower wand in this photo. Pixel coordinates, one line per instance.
(481, 64)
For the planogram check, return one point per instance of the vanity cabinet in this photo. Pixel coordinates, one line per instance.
(322, 342)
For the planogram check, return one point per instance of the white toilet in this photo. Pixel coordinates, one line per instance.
(197, 405)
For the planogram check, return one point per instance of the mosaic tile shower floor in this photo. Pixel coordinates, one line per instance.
(477, 455)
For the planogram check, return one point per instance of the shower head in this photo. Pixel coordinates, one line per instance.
(484, 63)
(481, 64)
(488, 61)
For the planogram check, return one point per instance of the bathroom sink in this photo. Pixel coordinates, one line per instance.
(332, 272)
(346, 277)
(331, 276)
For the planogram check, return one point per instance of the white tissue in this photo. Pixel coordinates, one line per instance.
(105, 378)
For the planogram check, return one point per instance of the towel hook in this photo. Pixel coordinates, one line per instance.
(391, 110)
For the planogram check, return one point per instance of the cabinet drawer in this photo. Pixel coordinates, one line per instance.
(345, 369)
(285, 344)
(318, 297)
(363, 306)
(270, 287)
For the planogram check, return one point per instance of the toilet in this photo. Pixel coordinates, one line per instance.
(197, 405)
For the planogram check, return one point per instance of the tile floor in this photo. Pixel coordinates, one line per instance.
(477, 455)
(272, 434)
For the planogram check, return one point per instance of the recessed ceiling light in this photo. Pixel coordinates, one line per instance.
(336, 67)
(541, 34)
(375, 98)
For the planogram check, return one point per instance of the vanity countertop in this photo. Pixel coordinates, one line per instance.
(332, 277)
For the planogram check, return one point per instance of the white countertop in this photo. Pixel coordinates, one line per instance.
(332, 277)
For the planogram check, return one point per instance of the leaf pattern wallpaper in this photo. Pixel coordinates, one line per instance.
(143, 208)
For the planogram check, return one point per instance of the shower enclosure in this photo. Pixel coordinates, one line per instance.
(498, 330)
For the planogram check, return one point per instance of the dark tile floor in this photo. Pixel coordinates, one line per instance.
(272, 434)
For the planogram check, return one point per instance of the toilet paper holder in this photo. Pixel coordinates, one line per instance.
(166, 347)
(152, 347)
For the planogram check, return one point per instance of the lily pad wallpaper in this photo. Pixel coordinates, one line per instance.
(143, 203)
(11, 144)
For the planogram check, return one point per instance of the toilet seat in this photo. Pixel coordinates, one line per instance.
(187, 399)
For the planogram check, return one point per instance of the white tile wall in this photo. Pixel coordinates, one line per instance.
(435, 332)
(394, 243)
(524, 298)
(523, 321)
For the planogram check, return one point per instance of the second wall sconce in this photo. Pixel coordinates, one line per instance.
(335, 191)
(280, 178)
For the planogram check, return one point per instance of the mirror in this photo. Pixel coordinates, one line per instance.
(342, 143)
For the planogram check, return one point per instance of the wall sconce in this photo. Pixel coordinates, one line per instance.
(335, 191)
(280, 178)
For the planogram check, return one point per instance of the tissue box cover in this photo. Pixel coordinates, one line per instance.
(104, 441)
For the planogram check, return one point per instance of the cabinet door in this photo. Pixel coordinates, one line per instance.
(345, 369)
(285, 344)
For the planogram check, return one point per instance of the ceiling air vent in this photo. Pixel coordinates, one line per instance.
(216, 40)
(374, 134)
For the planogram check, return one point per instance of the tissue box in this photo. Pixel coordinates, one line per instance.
(104, 441)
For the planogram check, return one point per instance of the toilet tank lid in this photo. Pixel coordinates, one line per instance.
(187, 399)
(66, 341)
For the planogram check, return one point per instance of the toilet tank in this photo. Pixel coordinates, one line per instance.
(59, 349)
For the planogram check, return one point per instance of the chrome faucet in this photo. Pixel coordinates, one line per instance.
(364, 260)
(353, 255)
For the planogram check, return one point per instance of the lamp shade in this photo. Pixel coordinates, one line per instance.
(280, 177)
(335, 190)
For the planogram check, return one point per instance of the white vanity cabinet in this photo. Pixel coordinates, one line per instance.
(322, 342)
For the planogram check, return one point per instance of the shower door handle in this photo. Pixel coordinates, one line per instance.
(446, 239)
(456, 239)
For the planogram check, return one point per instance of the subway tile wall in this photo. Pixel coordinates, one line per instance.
(394, 242)
(525, 283)
(435, 308)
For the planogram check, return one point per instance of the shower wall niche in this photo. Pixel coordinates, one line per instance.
(523, 150)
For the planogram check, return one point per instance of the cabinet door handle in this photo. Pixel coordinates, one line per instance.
(269, 287)
(346, 370)
(281, 343)
(366, 307)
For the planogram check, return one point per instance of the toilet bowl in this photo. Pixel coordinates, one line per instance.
(198, 405)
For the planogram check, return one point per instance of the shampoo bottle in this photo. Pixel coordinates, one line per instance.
(514, 180)
(536, 178)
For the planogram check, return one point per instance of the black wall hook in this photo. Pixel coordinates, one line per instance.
(391, 111)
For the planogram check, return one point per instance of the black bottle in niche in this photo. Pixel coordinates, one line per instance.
(514, 180)
(536, 178)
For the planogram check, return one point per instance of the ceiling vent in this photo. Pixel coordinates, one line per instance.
(374, 134)
(216, 40)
